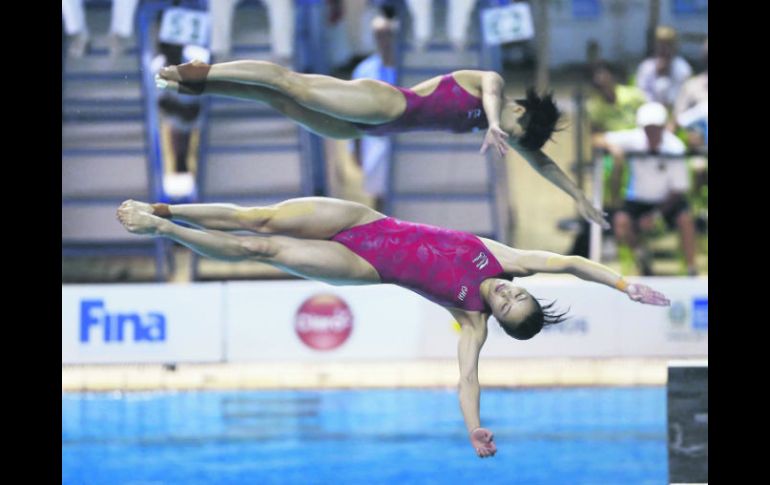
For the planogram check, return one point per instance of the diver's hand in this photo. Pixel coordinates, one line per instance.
(591, 213)
(645, 294)
(482, 441)
(496, 138)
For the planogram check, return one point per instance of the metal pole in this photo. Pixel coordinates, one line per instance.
(579, 137)
(595, 245)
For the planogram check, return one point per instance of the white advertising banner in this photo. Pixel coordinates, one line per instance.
(311, 321)
(142, 323)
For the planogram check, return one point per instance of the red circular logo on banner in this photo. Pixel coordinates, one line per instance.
(323, 322)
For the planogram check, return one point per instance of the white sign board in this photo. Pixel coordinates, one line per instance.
(311, 321)
(142, 323)
(510, 23)
(184, 26)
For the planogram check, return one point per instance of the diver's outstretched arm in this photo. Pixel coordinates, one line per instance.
(546, 167)
(473, 334)
(531, 262)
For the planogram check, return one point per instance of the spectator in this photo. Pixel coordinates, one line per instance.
(657, 187)
(691, 107)
(661, 76)
(691, 114)
(611, 106)
(121, 26)
(281, 15)
(457, 22)
(374, 152)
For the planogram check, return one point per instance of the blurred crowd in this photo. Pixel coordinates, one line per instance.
(650, 130)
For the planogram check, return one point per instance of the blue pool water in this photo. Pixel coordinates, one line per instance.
(546, 436)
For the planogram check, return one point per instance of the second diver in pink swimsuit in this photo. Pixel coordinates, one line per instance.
(462, 101)
(449, 107)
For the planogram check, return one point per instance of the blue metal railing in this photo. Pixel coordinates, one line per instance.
(147, 17)
(89, 110)
(309, 146)
(310, 56)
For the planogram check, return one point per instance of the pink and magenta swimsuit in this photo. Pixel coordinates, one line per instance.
(448, 108)
(443, 265)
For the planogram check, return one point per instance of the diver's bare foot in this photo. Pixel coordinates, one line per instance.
(195, 71)
(177, 87)
(136, 205)
(166, 84)
(137, 218)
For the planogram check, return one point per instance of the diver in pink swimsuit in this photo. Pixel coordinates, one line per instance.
(343, 242)
(445, 266)
(458, 102)
(448, 108)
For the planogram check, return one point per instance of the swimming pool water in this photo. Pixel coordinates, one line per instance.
(544, 436)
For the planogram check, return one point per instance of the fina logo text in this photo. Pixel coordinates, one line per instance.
(116, 327)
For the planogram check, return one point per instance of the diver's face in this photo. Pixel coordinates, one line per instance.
(512, 118)
(509, 303)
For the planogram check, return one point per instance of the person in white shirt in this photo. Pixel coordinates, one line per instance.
(661, 76)
(374, 152)
(658, 183)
